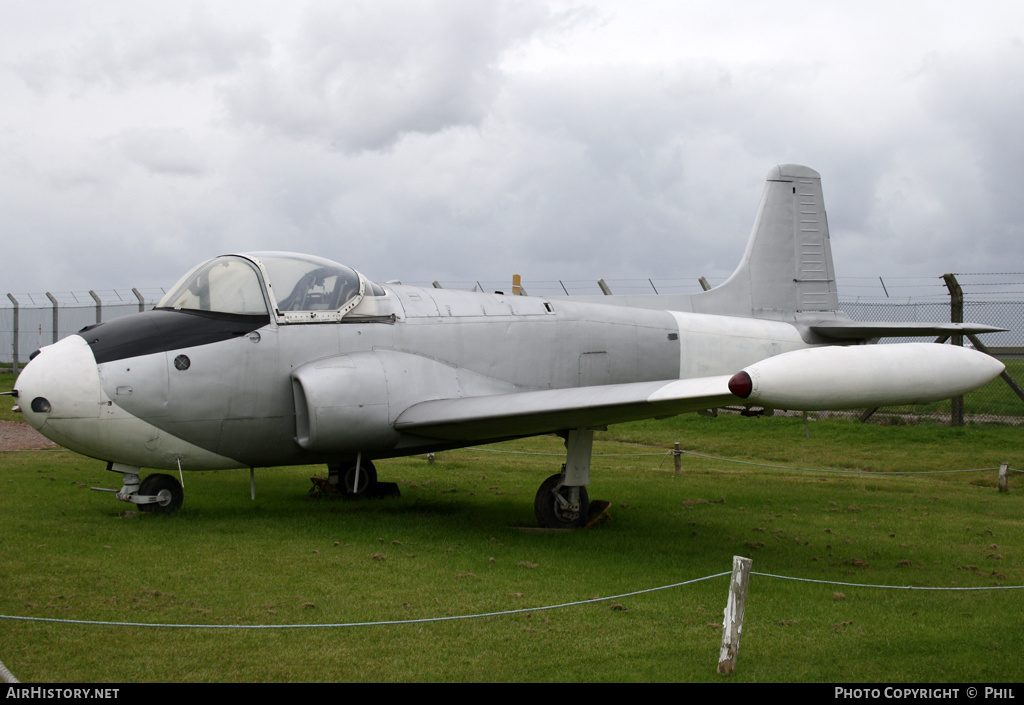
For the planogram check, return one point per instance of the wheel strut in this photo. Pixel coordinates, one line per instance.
(562, 501)
(157, 494)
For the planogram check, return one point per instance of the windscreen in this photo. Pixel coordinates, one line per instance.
(222, 285)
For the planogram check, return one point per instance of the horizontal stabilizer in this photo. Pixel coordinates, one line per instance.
(857, 330)
(500, 416)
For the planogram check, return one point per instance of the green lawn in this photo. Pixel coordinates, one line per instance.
(453, 545)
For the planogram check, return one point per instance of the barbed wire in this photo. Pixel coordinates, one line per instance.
(124, 296)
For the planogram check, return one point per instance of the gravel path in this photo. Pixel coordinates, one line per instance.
(21, 436)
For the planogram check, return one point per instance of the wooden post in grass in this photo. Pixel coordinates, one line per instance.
(732, 627)
(677, 458)
(1004, 477)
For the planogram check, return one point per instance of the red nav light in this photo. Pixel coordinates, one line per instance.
(741, 385)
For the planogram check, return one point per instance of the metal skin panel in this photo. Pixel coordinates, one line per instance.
(342, 402)
(713, 345)
(86, 420)
(351, 401)
(408, 369)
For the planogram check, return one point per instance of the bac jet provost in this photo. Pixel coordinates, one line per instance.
(269, 359)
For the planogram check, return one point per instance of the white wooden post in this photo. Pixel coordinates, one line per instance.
(1004, 480)
(732, 627)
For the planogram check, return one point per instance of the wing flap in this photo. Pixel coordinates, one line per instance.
(498, 416)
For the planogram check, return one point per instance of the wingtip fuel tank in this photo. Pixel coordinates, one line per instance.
(861, 376)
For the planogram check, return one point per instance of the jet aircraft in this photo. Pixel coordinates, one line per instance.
(269, 359)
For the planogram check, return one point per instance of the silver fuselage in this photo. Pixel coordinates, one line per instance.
(297, 393)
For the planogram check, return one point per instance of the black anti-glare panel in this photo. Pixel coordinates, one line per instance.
(161, 330)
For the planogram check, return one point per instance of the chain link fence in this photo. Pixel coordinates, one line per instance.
(30, 321)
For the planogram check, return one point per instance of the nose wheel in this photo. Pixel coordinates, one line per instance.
(157, 494)
(166, 490)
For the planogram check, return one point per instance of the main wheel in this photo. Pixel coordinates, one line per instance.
(552, 514)
(169, 494)
(347, 478)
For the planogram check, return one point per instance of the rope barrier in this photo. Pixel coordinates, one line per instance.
(367, 624)
(562, 455)
(670, 453)
(887, 587)
(842, 472)
(36, 450)
(501, 613)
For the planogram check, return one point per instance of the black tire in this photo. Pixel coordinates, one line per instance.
(171, 499)
(367, 479)
(549, 512)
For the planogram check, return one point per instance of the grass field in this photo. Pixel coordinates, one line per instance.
(453, 545)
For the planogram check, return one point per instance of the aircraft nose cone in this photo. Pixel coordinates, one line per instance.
(61, 382)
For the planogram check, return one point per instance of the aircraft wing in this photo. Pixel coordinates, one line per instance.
(829, 377)
(529, 413)
(857, 330)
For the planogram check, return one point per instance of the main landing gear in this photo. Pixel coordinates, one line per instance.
(356, 479)
(562, 501)
(353, 479)
(157, 494)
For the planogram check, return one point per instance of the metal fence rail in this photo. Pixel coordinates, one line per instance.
(30, 321)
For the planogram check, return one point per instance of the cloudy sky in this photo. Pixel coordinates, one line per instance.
(464, 140)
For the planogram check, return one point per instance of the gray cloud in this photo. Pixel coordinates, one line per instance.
(362, 74)
(464, 140)
(125, 52)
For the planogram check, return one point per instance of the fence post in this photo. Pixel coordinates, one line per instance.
(53, 300)
(732, 627)
(99, 306)
(956, 315)
(1004, 479)
(17, 325)
(142, 301)
(677, 458)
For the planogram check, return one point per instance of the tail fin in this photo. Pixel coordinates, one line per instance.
(787, 267)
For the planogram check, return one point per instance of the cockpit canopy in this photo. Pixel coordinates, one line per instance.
(299, 288)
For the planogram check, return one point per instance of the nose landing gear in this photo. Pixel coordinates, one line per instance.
(166, 489)
(157, 494)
